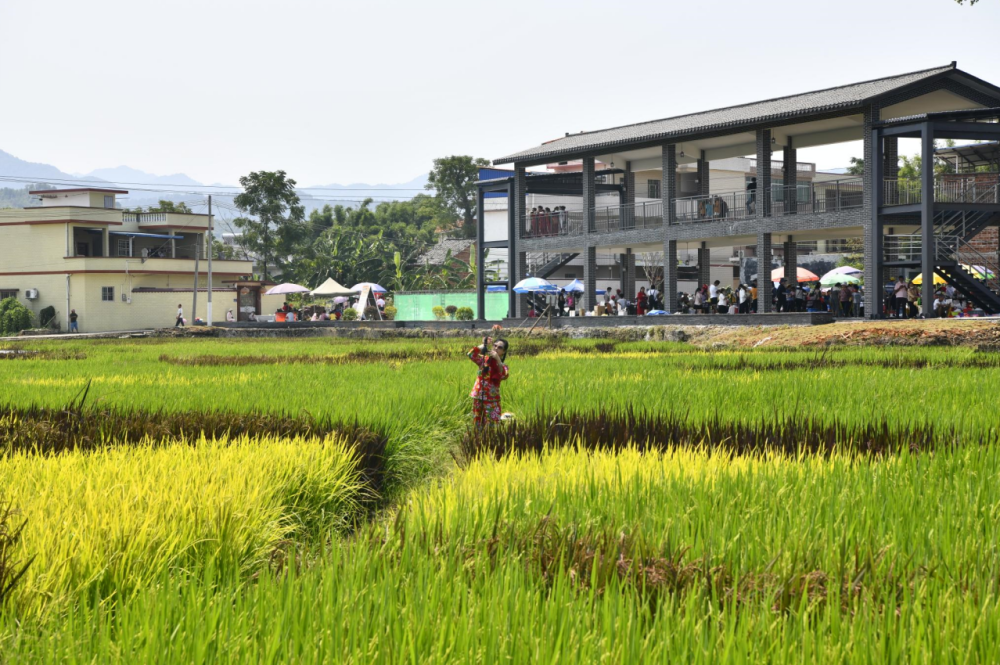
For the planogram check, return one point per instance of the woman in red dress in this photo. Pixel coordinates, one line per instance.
(640, 301)
(492, 370)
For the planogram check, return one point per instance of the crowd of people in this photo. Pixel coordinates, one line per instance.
(547, 221)
(841, 299)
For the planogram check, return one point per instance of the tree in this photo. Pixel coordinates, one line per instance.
(273, 221)
(857, 166)
(454, 180)
(14, 317)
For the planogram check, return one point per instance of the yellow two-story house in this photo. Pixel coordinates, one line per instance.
(119, 270)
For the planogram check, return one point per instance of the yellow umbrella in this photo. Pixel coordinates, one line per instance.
(938, 279)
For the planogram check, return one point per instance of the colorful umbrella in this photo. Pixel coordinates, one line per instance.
(979, 272)
(576, 286)
(845, 270)
(801, 274)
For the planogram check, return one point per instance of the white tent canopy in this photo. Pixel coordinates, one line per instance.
(331, 288)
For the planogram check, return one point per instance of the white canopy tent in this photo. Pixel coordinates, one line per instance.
(331, 288)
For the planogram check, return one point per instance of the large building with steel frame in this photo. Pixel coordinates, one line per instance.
(927, 224)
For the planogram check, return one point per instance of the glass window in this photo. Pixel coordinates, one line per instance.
(109, 202)
(108, 293)
(123, 247)
(653, 187)
(7, 294)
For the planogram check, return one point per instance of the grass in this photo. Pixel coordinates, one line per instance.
(652, 502)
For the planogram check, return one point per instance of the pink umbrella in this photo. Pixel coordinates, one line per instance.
(287, 287)
(844, 270)
(802, 275)
(339, 299)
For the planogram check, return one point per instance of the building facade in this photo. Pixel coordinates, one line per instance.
(118, 270)
(903, 226)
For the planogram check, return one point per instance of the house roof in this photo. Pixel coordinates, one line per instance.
(819, 101)
(435, 255)
(78, 189)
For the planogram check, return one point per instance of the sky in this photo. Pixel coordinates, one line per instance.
(372, 91)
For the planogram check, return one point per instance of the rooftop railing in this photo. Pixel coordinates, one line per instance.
(628, 217)
(802, 198)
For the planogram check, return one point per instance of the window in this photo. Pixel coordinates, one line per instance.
(123, 247)
(109, 202)
(654, 188)
(83, 249)
(8, 294)
(108, 293)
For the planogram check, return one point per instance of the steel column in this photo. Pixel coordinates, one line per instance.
(927, 253)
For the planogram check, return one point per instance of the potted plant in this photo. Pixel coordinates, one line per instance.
(450, 310)
(439, 312)
(465, 314)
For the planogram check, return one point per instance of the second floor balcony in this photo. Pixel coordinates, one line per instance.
(976, 188)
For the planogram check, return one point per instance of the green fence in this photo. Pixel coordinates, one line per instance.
(420, 306)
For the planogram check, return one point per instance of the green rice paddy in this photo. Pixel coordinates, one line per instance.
(324, 500)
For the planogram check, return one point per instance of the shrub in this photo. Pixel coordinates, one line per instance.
(439, 312)
(465, 314)
(350, 314)
(46, 316)
(451, 309)
(371, 313)
(14, 317)
(390, 312)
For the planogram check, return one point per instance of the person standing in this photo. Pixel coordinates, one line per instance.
(743, 296)
(180, 316)
(752, 196)
(489, 357)
(900, 296)
(653, 296)
(753, 296)
(912, 296)
(713, 296)
(640, 301)
(845, 301)
(781, 294)
(73, 327)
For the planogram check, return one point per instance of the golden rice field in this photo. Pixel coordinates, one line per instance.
(324, 500)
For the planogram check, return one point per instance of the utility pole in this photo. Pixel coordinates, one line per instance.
(211, 247)
(194, 305)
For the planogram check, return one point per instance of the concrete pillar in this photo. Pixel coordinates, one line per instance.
(628, 198)
(520, 202)
(668, 185)
(704, 267)
(764, 286)
(670, 275)
(519, 269)
(791, 265)
(763, 207)
(703, 184)
(630, 273)
(478, 249)
(589, 278)
(589, 193)
(512, 242)
(869, 215)
(790, 178)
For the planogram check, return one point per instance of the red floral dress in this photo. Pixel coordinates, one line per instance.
(486, 393)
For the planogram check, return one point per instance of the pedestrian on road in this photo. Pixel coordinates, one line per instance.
(180, 316)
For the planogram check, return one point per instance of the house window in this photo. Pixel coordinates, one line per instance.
(7, 294)
(109, 202)
(654, 188)
(83, 249)
(123, 247)
(108, 293)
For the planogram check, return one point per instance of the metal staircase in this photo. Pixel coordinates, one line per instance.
(554, 264)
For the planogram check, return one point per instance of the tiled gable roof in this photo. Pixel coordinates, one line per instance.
(435, 255)
(820, 101)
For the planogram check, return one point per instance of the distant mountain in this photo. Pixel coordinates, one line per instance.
(126, 174)
(13, 194)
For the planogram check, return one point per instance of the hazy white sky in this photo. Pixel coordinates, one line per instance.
(372, 91)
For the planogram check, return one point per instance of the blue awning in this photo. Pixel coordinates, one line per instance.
(144, 235)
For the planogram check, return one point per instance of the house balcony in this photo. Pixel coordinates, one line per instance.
(168, 220)
(137, 265)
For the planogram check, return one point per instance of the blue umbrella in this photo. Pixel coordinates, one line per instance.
(496, 287)
(532, 284)
(576, 286)
(375, 287)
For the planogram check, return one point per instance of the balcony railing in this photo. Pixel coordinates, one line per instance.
(948, 188)
(644, 215)
(803, 198)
